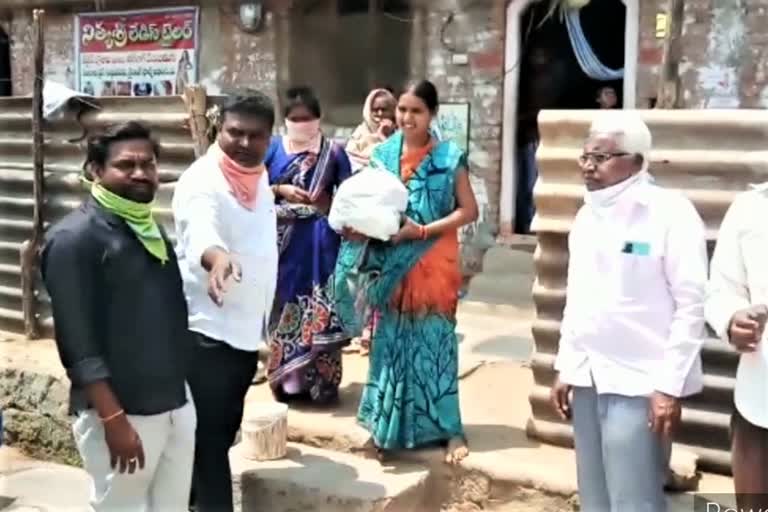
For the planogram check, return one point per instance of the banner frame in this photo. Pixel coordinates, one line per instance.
(133, 12)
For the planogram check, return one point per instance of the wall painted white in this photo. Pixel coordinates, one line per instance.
(512, 56)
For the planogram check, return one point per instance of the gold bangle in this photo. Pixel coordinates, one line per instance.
(112, 417)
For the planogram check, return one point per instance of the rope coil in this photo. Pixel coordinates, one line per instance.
(586, 57)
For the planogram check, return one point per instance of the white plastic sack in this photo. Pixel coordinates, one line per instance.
(57, 97)
(370, 202)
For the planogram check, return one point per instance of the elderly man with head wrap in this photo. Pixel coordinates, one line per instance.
(633, 324)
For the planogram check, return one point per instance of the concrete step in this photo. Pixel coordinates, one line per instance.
(495, 317)
(45, 488)
(502, 260)
(307, 480)
(317, 480)
(496, 289)
(506, 279)
(494, 334)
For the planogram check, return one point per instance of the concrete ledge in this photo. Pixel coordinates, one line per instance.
(495, 408)
(316, 480)
(42, 487)
(511, 312)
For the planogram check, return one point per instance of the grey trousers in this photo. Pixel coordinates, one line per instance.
(621, 464)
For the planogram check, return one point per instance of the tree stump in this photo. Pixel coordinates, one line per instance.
(265, 432)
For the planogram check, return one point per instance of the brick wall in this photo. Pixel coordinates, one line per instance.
(228, 55)
(460, 46)
(725, 53)
(464, 57)
(476, 33)
(650, 50)
(59, 52)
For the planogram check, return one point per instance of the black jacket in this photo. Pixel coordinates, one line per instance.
(119, 313)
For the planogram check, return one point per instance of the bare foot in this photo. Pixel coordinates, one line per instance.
(370, 451)
(457, 450)
(365, 346)
(365, 342)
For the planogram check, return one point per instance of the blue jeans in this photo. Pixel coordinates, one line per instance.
(621, 464)
(528, 173)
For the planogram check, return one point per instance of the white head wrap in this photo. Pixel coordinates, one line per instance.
(628, 128)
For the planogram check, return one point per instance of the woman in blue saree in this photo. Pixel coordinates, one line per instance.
(411, 398)
(305, 335)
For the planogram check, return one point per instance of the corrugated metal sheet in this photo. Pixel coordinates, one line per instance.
(710, 156)
(15, 204)
(63, 160)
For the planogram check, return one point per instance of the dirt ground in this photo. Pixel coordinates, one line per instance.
(494, 393)
(36, 356)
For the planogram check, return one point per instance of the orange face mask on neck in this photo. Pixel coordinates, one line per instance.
(243, 181)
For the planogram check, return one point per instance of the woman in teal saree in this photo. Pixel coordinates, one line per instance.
(411, 398)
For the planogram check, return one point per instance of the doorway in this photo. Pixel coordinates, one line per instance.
(5, 64)
(543, 71)
(345, 48)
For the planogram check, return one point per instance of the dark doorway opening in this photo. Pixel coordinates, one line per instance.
(345, 48)
(551, 77)
(6, 88)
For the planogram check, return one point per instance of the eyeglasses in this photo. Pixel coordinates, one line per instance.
(599, 158)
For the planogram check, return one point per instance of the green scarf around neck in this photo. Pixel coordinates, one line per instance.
(138, 216)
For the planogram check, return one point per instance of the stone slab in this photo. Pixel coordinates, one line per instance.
(495, 408)
(317, 480)
(307, 480)
(45, 488)
(506, 279)
(494, 336)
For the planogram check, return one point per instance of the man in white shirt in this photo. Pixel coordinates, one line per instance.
(633, 324)
(736, 309)
(227, 249)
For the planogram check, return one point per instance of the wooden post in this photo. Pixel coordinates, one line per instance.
(30, 249)
(668, 94)
(196, 100)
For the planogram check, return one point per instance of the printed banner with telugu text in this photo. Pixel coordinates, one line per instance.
(137, 53)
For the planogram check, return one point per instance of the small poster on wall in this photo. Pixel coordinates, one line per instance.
(151, 52)
(453, 123)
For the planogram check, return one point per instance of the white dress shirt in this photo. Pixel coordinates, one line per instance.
(207, 215)
(739, 279)
(634, 315)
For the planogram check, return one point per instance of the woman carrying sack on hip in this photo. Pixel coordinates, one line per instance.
(411, 399)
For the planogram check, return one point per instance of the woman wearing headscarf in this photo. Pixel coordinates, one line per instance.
(378, 124)
(305, 336)
(411, 398)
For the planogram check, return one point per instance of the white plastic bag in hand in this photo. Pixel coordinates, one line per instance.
(370, 202)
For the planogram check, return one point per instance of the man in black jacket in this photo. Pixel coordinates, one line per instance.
(121, 331)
